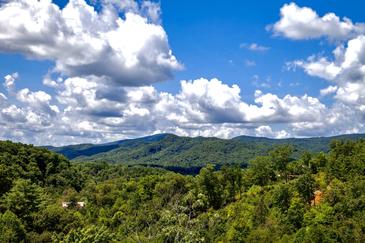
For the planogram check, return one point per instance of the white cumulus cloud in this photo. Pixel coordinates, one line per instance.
(329, 90)
(9, 81)
(129, 51)
(304, 23)
(346, 71)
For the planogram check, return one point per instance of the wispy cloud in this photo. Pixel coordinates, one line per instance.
(254, 47)
(250, 63)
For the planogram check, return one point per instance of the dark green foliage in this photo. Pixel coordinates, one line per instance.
(282, 196)
(295, 214)
(209, 184)
(40, 166)
(11, 228)
(269, 201)
(262, 170)
(280, 157)
(305, 186)
(24, 199)
(88, 234)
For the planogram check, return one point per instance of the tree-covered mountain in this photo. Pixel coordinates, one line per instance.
(88, 149)
(317, 197)
(172, 150)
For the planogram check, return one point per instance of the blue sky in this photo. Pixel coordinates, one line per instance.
(73, 73)
(206, 36)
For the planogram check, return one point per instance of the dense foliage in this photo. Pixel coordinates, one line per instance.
(315, 198)
(171, 150)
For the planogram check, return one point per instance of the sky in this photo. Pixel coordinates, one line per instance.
(77, 71)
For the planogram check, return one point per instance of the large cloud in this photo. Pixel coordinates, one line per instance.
(86, 110)
(83, 42)
(346, 71)
(304, 23)
(212, 101)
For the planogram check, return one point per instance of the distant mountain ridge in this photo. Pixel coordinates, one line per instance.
(172, 150)
(89, 149)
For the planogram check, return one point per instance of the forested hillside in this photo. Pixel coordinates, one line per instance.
(172, 150)
(319, 197)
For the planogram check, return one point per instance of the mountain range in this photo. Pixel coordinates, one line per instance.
(172, 150)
